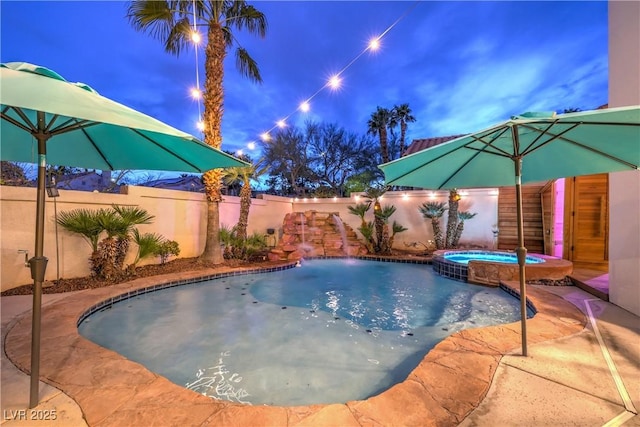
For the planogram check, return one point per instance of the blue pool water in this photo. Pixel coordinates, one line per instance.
(463, 257)
(330, 331)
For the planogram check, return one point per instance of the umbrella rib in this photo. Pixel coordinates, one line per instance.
(540, 135)
(489, 144)
(167, 150)
(576, 143)
(31, 128)
(83, 129)
(77, 124)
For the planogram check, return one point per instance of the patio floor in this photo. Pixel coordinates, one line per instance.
(583, 369)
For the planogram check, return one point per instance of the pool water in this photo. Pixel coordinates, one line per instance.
(328, 332)
(464, 257)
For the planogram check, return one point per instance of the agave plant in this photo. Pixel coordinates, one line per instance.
(434, 211)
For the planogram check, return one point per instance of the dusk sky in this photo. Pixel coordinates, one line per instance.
(461, 66)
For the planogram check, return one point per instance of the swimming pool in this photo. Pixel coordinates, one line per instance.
(330, 331)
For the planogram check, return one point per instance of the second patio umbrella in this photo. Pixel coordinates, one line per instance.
(533, 147)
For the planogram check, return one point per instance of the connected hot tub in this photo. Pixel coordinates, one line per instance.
(491, 267)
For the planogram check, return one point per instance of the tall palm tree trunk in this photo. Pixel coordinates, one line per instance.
(213, 101)
(384, 146)
(452, 220)
(403, 133)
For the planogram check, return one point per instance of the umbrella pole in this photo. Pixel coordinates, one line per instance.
(521, 252)
(38, 265)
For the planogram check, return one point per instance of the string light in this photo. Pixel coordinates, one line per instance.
(333, 83)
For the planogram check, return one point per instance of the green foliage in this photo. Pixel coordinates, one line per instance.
(148, 244)
(166, 249)
(118, 224)
(84, 222)
(376, 233)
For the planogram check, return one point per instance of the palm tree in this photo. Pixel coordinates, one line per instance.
(402, 115)
(168, 21)
(244, 175)
(385, 241)
(360, 209)
(452, 219)
(462, 216)
(434, 211)
(377, 125)
(374, 194)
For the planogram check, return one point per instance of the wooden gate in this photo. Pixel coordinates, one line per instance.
(586, 221)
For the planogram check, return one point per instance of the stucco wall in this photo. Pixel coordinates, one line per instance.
(484, 202)
(181, 216)
(624, 187)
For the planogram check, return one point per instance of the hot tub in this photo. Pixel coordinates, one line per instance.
(491, 267)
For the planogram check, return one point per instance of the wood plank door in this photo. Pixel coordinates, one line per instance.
(548, 202)
(587, 221)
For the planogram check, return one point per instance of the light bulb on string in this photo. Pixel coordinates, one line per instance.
(374, 43)
(251, 145)
(195, 93)
(334, 82)
(200, 125)
(195, 37)
(281, 123)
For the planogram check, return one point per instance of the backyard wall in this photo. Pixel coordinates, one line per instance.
(181, 216)
(624, 187)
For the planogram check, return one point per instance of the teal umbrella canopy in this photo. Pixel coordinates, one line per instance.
(550, 146)
(47, 120)
(85, 129)
(532, 147)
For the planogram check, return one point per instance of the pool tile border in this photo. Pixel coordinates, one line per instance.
(112, 390)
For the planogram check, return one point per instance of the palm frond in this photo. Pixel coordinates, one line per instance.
(247, 66)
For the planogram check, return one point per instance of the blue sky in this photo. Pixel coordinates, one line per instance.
(461, 66)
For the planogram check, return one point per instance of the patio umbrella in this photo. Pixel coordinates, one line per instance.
(47, 120)
(533, 147)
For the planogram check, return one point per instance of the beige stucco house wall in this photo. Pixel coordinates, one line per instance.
(181, 216)
(624, 187)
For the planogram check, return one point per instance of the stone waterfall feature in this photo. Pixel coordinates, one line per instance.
(312, 234)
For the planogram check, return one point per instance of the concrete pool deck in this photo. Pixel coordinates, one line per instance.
(473, 378)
